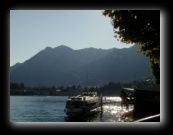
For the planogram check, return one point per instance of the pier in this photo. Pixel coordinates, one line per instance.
(107, 100)
(145, 102)
(114, 100)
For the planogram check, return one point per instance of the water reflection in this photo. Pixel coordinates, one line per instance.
(91, 118)
(112, 112)
(118, 112)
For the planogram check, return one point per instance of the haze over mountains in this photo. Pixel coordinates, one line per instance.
(62, 66)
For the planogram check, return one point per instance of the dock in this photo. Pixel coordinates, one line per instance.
(114, 100)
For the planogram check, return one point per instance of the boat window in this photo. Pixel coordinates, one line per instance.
(85, 103)
(69, 103)
(77, 104)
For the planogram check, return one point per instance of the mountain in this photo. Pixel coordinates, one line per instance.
(14, 67)
(90, 66)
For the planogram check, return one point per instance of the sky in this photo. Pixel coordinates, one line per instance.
(33, 30)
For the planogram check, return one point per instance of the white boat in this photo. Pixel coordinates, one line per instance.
(85, 104)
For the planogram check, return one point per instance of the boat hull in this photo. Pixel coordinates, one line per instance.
(82, 112)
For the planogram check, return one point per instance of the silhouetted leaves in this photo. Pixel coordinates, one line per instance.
(141, 27)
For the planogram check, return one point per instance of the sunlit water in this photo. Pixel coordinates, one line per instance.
(51, 109)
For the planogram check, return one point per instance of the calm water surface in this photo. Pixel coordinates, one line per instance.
(51, 109)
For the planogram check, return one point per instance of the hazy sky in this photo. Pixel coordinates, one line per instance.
(33, 30)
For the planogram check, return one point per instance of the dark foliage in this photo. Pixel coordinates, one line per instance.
(141, 27)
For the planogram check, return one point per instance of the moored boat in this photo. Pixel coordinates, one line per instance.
(85, 104)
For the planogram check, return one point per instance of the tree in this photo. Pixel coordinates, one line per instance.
(141, 27)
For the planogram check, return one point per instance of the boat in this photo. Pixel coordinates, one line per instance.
(83, 105)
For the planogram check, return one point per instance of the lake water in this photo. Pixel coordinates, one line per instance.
(51, 109)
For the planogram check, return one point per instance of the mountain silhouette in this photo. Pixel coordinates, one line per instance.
(62, 66)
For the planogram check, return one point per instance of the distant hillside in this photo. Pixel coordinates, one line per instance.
(65, 66)
(12, 68)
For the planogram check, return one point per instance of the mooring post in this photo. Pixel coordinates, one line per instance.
(84, 108)
(101, 98)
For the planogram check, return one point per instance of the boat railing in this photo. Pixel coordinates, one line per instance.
(76, 98)
(89, 94)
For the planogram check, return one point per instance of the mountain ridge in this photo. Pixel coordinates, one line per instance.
(64, 66)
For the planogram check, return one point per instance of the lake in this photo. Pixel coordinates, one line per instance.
(51, 109)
